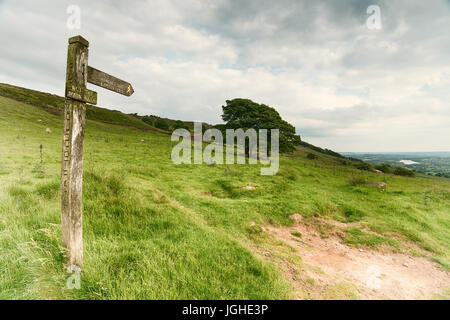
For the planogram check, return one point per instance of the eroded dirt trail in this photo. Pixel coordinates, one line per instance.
(377, 275)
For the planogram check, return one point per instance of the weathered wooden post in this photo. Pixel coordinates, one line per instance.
(77, 95)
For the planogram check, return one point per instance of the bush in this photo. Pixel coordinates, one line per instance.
(400, 171)
(384, 168)
(311, 156)
(161, 124)
(147, 120)
(363, 166)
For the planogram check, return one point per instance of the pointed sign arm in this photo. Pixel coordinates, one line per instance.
(104, 80)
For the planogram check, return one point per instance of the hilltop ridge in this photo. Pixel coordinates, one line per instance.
(55, 104)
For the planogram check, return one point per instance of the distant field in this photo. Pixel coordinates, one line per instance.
(433, 163)
(154, 230)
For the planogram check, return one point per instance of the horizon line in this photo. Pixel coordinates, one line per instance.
(392, 151)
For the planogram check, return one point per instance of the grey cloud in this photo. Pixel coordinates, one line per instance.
(315, 61)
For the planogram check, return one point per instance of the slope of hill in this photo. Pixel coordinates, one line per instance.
(155, 230)
(55, 104)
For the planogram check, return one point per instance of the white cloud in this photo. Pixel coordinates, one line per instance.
(343, 86)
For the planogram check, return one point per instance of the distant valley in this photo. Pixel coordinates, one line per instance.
(432, 163)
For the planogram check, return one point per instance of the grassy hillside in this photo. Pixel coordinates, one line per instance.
(155, 230)
(55, 104)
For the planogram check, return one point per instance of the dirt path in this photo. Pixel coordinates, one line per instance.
(378, 275)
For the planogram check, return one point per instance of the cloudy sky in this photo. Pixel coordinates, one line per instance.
(344, 86)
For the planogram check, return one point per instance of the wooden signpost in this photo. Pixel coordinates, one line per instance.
(77, 95)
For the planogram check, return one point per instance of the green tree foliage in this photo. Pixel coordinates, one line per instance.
(246, 114)
(161, 124)
(179, 124)
(148, 120)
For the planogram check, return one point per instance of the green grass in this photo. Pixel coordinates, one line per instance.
(297, 234)
(154, 230)
(355, 236)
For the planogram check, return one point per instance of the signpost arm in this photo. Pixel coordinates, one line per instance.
(104, 80)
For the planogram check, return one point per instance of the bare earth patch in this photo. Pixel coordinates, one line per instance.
(376, 274)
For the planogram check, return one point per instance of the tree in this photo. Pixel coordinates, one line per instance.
(246, 114)
(179, 125)
(148, 120)
(161, 124)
